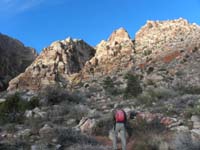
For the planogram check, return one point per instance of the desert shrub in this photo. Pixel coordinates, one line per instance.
(76, 97)
(147, 52)
(184, 141)
(55, 95)
(161, 93)
(68, 137)
(151, 95)
(35, 124)
(108, 83)
(147, 135)
(103, 126)
(150, 142)
(60, 113)
(192, 110)
(89, 147)
(33, 102)
(187, 89)
(133, 87)
(109, 86)
(141, 126)
(56, 113)
(13, 108)
(145, 99)
(14, 145)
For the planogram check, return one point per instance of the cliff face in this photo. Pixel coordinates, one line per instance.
(111, 56)
(167, 35)
(161, 51)
(54, 65)
(14, 58)
(168, 52)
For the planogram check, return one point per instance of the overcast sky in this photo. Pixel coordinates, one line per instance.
(37, 23)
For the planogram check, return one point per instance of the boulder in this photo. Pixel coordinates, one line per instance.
(24, 133)
(195, 118)
(35, 113)
(86, 125)
(46, 132)
(196, 121)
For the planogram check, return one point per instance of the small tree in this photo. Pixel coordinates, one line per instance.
(12, 109)
(109, 86)
(133, 87)
(108, 83)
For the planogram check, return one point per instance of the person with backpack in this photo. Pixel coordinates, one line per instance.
(119, 121)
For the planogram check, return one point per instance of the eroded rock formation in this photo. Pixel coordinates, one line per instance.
(54, 65)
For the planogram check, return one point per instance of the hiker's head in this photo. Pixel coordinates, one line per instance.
(118, 106)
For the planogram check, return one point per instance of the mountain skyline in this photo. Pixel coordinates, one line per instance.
(39, 23)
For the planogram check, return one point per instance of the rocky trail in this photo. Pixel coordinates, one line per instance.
(106, 141)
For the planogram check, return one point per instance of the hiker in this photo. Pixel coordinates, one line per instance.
(119, 122)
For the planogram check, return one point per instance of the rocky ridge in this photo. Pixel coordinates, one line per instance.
(158, 45)
(113, 55)
(168, 52)
(54, 65)
(14, 58)
(167, 116)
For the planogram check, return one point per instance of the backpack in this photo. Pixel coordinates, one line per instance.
(119, 116)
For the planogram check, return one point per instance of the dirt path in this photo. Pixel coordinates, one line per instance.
(108, 142)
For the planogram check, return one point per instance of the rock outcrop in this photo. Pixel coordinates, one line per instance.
(14, 58)
(112, 55)
(169, 51)
(165, 36)
(163, 53)
(54, 65)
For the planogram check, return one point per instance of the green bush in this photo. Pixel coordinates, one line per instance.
(133, 87)
(13, 108)
(142, 127)
(55, 95)
(68, 137)
(33, 102)
(147, 52)
(108, 83)
(147, 135)
(103, 126)
(148, 142)
(194, 110)
(151, 95)
(109, 86)
(145, 99)
(183, 89)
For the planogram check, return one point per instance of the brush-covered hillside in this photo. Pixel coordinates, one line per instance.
(65, 98)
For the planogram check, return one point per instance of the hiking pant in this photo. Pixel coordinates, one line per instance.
(119, 128)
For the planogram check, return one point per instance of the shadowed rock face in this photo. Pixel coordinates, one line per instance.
(14, 58)
(54, 65)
